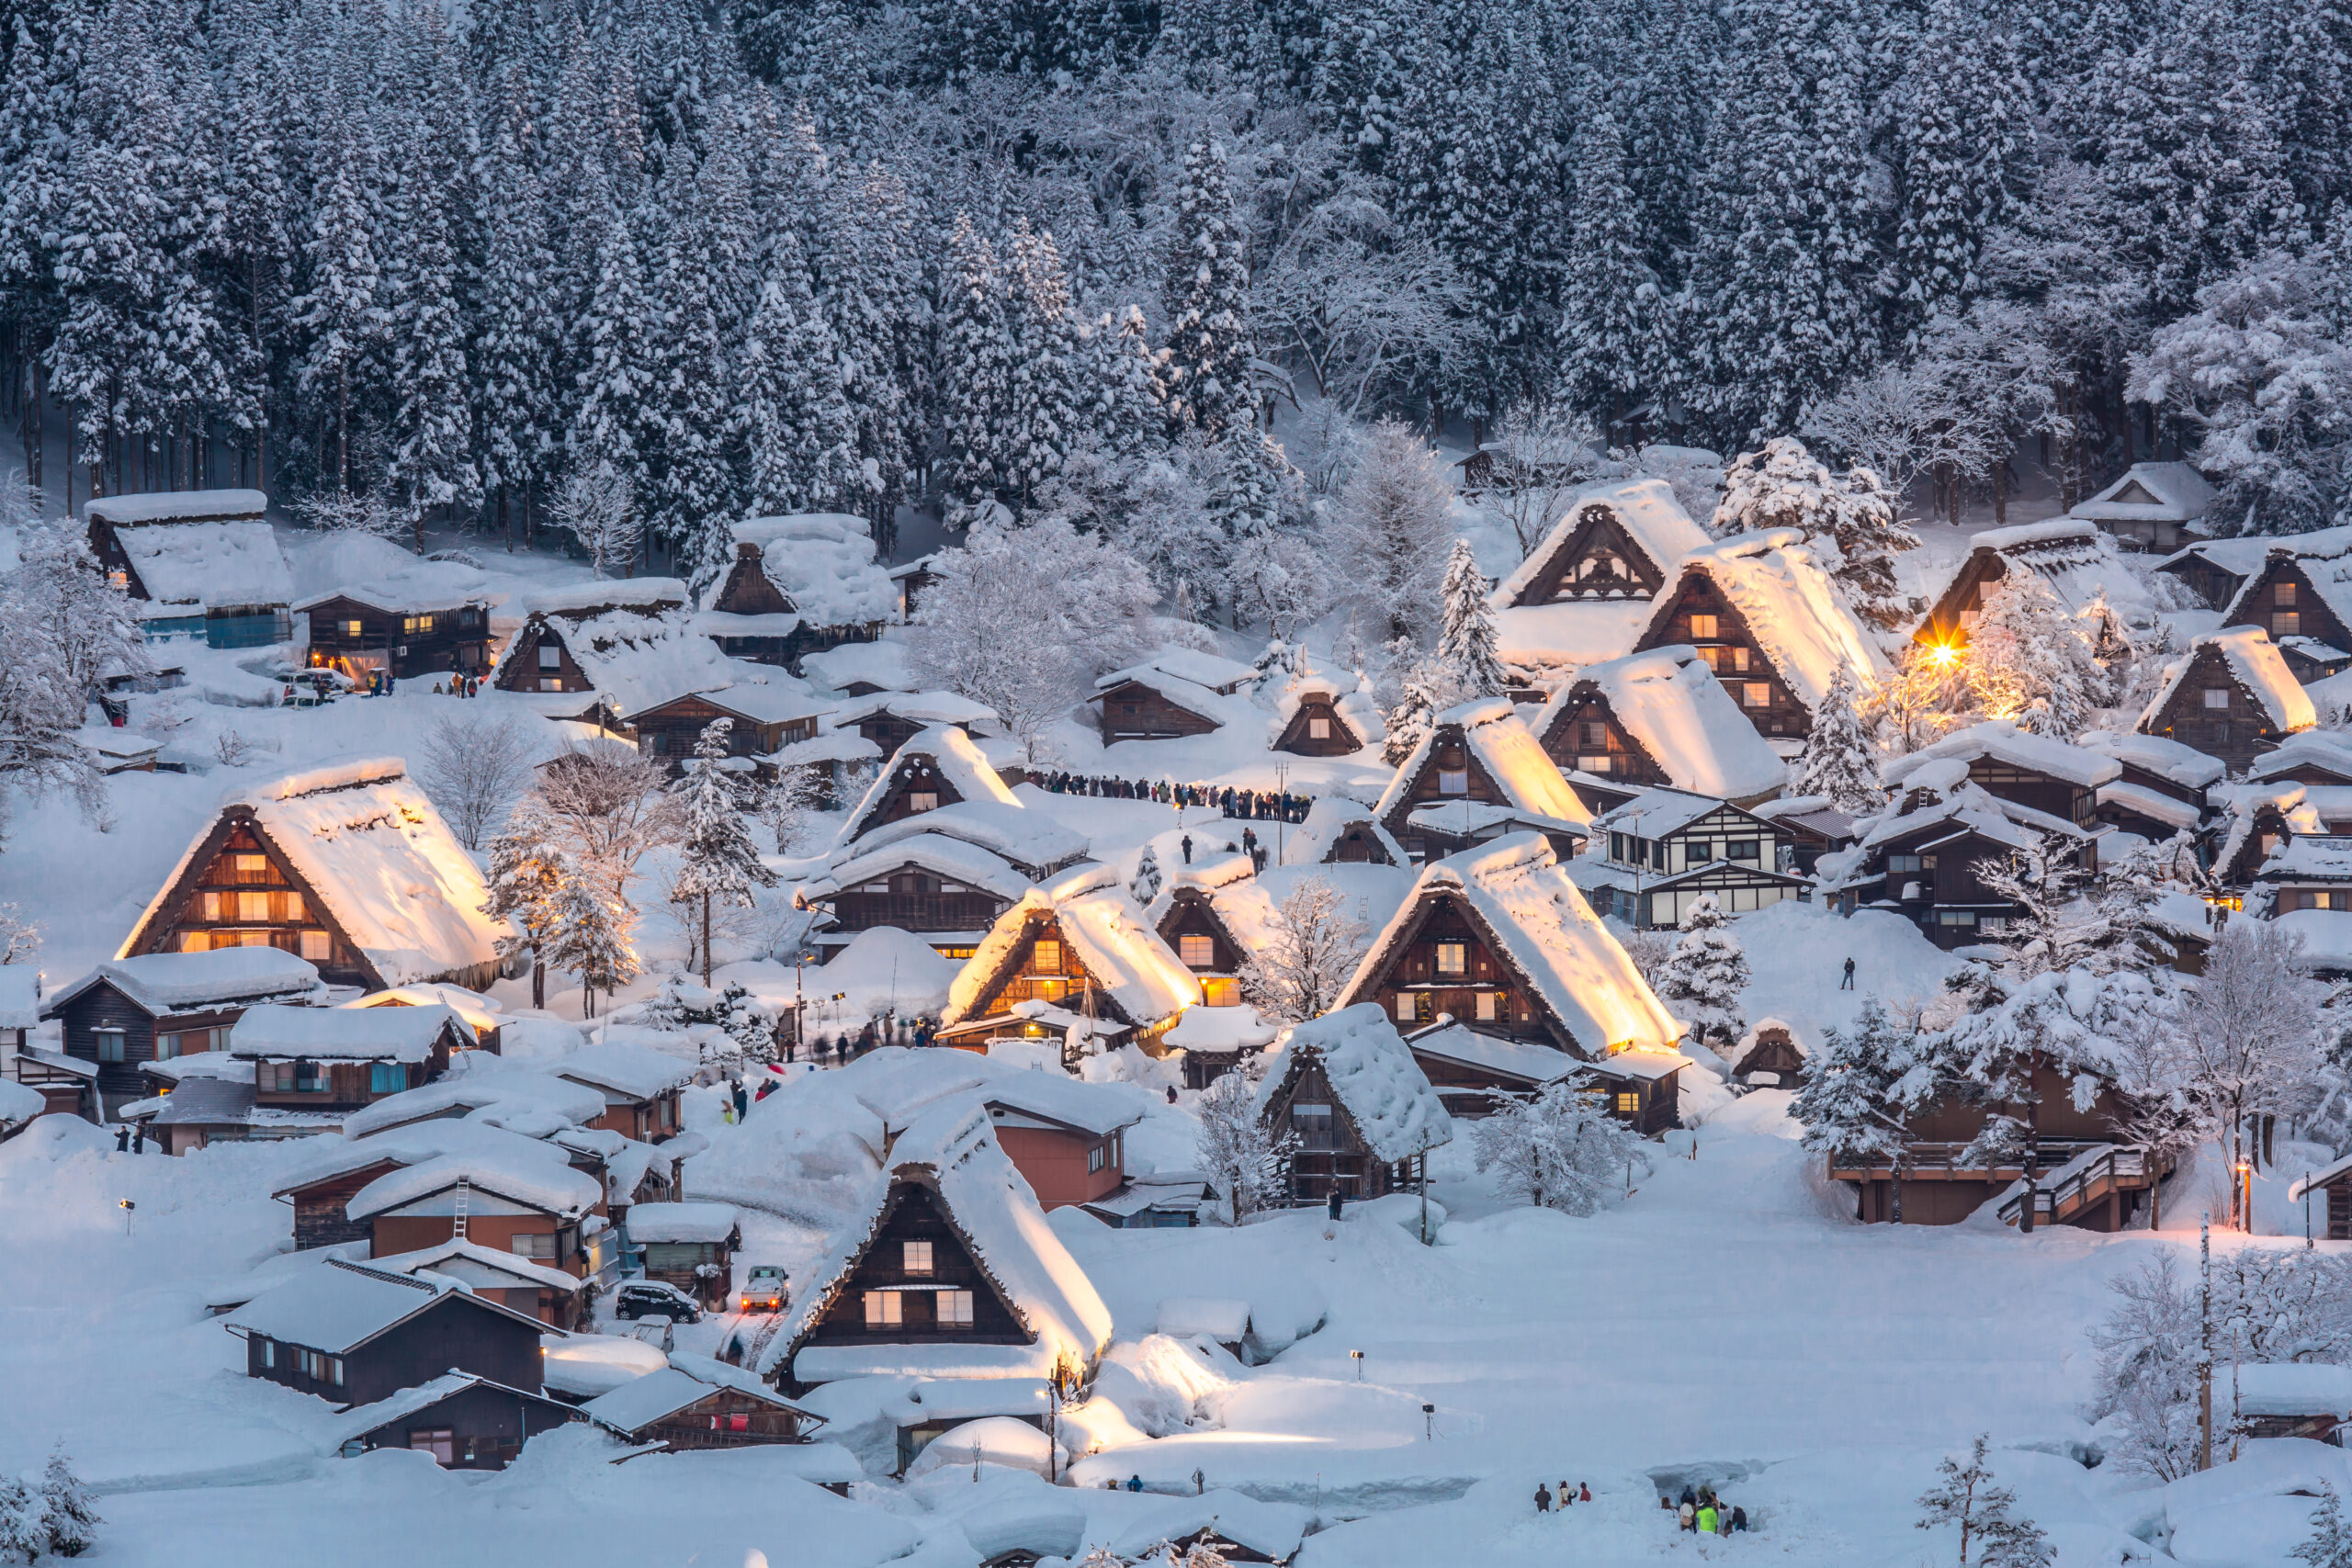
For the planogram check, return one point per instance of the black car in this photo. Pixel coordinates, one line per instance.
(651, 1297)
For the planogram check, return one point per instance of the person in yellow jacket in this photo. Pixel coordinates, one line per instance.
(1708, 1518)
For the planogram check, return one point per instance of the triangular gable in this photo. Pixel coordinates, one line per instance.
(940, 763)
(1010, 965)
(1313, 706)
(1591, 554)
(2134, 493)
(1564, 739)
(1190, 910)
(748, 590)
(1949, 623)
(237, 831)
(1379, 967)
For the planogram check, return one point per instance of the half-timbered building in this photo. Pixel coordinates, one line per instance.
(948, 1270)
(1584, 592)
(2231, 697)
(1659, 718)
(799, 585)
(130, 1012)
(349, 867)
(1665, 850)
(1345, 1090)
(1481, 752)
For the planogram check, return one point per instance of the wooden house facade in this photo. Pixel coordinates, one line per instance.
(2234, 698)
(2303, 602)
(125, 1015)
(922, 893)
(1204, 943)
(1316, 728)
(321, 1204)
(241, 890)
(406, 640)
(690, 1246)
(1581, 733)
(1067, 1142)
(462, 1422)
(1593, 556)
(1135, 709)
(1703, 615)
(1673, 849)
(918, 1280)
(759, 723)
(1937, 1184)
(1331, 1153)
(684, 1413)
(355, 1334)
(1480, 754)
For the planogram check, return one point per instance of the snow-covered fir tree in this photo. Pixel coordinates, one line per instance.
(69, 1513)
(1209, 342)
(1245, 1160)
(1704, 976)
(975, 373)
(1558, 1148)
(717, 863)
(2330, 1543)
(1959, 139)
(1144, 886)
(591, 936)
(1863, 1087)
(1839, 764)
(432, 459)
(1467, 642)
(1609, 294)
(2028, 660)
(1389, 523)
(619, 427)
(1849, 520)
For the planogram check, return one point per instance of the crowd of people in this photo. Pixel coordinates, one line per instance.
(1700, 1512)
(1251, 804)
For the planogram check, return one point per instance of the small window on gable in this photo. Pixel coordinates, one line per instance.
(110, 1044)
(2282, 594)
(550, 656)
(351, 629)
(1490, 1007)
(1703, 628)
(1453, 781)
(1197, 952)
(1404, 1007)
(923, 800)
(1453, 958)
(1756, 694)
(317, 946)
(915, 1258)
(2217, 697)
(1046, 957)
(953, 1308)
(1318, 729)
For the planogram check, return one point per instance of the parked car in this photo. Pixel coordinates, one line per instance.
(651, 1297)
(764, 1289)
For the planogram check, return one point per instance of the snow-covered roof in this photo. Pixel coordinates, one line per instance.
(949, 751)
(2313, 1181)
(190, 982)
(2177, 764)
(882, 664)
(1190, 695)
(2001, 741)
(2171, 811)
(1355, 707)
(2327, 750)
(273, 1032)
(1800, 622)
(207, 564)
(587, 1365)
(637, 1405)
(1670, 702)
(476, 1011)
(954, 1153)
(543, 1184)
(1748, 1041)
(1132, 966)
(478, 1266)
(1570, 634)
(342, 1306)
(1475, 818)
(1656, 813)
(1270, 1530)
(633, 1072)
(634, 661)
(2079, 560)
(708, 1223)
(2152, 492)
(1648, 1066)
(1098, 1109)
(19, 996)
(1024, 837)
(176, 506)
(582, 601)
(2330, 577)
(1516, 1058)
(2244, 556)
(2292, 1388)
(2307, 857)
(18, 1105)
(420, 587)
(920, 707)
(1327, 819)
(951, 858)
(1645, 509)
(1211, 671)
(1506, 748)
(823, 562)
(2254, 660)
(357, 1421)
(530, 1104)
(1529, 910)
(1237, 1028)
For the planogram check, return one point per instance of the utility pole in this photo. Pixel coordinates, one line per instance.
(2205, 1341)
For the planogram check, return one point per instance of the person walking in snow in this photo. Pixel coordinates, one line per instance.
(1708, 1518)
(1334, 1205)
(1566, 1496)
(1738, 1522)
(1584, 1493)
(1186, 845)
(1543, 1499)
(742, 1101)
(1134, 1483)
(1848, 983)
(1250, 841)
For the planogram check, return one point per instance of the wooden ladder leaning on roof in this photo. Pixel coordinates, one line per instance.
(458, 1227)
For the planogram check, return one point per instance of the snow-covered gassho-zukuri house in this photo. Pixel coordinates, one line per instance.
(2305, 603)
(1347, 1088)
(1318, 716)
(949, 1270)
(2051, 775)
(349, 866)
(1660, 718)
(202, 562)
(1341, 831)
(1177, 692)
(1584, 594)
(2231, 696)
(2078, 562)
(1479, 752)
(596, 651)
(941, 766)
(1082, 947)
(799, 585)
(1771, 623)
(1500, 939)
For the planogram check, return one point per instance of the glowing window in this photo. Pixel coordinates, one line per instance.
(1197, 952)
(1756, 695)
(252, 906)
(1594, 762)
(1629, 1103)
(2286, 623)
(953, 1308)
(1404, 1007)
(923, 800)
(915, 1258)
(1490, 1007)
(1453, 958)
(1047, 959)
(351, 629)
(1702, 628)
(883, 1309)
(2283, 594)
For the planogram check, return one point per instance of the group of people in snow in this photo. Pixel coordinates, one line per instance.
(1260, 805)
(1569, 1495)
(1700, 1512)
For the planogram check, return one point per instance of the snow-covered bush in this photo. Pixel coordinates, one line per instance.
(1967, 1498)
(1308, 957)
(1558, 1148)
(2028, 660)
(1849, 520)
(1239, 1153)
(474, 766)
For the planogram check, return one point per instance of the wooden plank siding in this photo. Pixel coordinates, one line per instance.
(1133, 711)
(455, 1333)
(1599, 560)
(2234, 728)
(2283, 603)
(1707, 620)
(1331, 1152)
(1586, 735)
(857, 1313)
(239, 890)
(1318, 730)
(452, 637)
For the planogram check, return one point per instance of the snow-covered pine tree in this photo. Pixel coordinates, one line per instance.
(69, 1514)
(1706, 973)
(618, 425)
(1043, 416)
(1838, 762)
(528, 867)
(22, 1535)
(341, 314)
(1243, 1159)
(1124, 398)
(1608, 293)
(1209, 343)
(590, 937)
(692, 488)
(717, 860)
(1558, 1148)
(514, 355)
(874, 301)
(1144, 886)
(1858, 1095)
(1466, 643)
(2028, 660)
(814, 403)
(1959, 139)
(976, 356)
(2330, 1543)
(1849, 520)
(432, 461)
